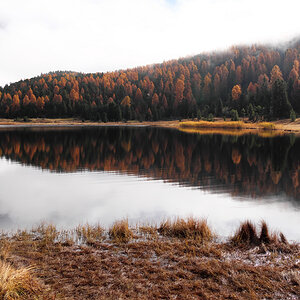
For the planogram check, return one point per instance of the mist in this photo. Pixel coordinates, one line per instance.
(105, 35)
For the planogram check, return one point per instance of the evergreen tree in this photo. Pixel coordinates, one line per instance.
(280, 105)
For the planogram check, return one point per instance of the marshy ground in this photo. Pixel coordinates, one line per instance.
(180, 259)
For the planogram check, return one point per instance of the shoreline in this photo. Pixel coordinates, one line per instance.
(219, 126)
(180, 258)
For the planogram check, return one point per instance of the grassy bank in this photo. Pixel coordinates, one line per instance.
(181, 259)
(229, 125)
(276, 127)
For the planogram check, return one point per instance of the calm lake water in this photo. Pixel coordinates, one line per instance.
(99, 175)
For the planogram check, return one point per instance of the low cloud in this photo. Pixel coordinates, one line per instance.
(105, 35)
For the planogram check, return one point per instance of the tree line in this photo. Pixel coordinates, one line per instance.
(258, 82)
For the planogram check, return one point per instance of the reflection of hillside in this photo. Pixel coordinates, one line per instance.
(246, 165)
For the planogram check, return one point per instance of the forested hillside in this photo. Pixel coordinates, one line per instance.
(259, 82)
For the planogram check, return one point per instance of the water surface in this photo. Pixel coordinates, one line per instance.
(104, 174)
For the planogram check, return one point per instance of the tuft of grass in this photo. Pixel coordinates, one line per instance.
(47, 233)
(89, 234)
(190, 228)
(120, 232)
(264, 234)
(245, 235)
(148, 230)
(283, 238)
(17, 283)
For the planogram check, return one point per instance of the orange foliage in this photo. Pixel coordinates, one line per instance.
(155, 100)
(16, 103)
(74, 95)
(126, 101)
(40, 103)
(236, 92)
(276, 74)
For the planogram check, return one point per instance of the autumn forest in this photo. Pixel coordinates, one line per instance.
(259, 82)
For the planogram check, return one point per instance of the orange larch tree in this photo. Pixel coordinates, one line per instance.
(236, 92)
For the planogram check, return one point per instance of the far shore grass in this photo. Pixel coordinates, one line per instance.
(228, 125)
(178, 258)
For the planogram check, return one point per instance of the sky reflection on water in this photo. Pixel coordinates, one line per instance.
(29, 195)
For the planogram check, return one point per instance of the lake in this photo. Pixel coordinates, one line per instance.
(73, 176)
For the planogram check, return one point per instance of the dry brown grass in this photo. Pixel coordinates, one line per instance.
(190, 228)
(219, 124)
(247, 235)
(148, 230)
(267, 125)
(5, 249)
(171, 266)
(120, 232)
(89, 234)
(17, 283)
(46, 231)
(228, 125)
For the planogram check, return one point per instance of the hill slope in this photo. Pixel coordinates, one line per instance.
(257, 81)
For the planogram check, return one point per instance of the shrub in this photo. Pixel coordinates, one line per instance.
(292, 115)
(199, 116)
(234, 115)
(210, 117)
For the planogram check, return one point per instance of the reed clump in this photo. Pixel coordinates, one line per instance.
(190, 228)
(17, 283)
(247, 235)
(89, 234)
(47, 232)
(120, 232)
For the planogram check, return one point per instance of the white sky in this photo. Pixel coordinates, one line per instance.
(38, 36)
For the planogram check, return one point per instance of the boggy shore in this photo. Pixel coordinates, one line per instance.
(176, 259)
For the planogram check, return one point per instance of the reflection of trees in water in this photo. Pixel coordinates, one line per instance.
(246, 165)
